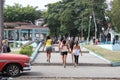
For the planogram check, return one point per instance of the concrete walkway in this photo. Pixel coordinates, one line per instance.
(88, 59)
(91, 67)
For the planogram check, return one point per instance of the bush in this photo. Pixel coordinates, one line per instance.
(16, 44)
(21, 44)
(11, 44)
(28, 50)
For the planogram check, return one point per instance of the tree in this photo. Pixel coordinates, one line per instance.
(18, 13)
(98, 14)
(114, 15)
(73, 15)
(52, 18)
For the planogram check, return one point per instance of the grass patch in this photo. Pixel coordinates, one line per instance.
(15, 52)
(113, 56)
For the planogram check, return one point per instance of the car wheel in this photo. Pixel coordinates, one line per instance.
(13, 70)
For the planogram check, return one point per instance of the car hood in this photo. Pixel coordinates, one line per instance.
(9, 56)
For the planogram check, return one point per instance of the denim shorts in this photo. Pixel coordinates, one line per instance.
(48, 48)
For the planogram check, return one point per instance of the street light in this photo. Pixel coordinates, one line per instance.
(89, 29)
(1, 21)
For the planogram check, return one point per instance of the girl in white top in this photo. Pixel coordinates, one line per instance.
(76, 52)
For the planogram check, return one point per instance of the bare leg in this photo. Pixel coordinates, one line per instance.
(49, 56)
(72, 56)
(64, 61)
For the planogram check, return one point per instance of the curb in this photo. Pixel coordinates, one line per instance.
(71, 64)
(59, 51)
(70, 78)
(114, 64)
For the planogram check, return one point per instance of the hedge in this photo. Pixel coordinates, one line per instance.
(28, 50)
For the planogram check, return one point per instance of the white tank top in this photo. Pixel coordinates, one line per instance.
(76, 51)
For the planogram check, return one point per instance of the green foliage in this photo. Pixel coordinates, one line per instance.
(114, 14)
(68, 15)
(28, 50)
(16, 43)
(18, 13)
(11, 44)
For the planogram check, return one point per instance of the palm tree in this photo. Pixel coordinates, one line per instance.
(1, 21)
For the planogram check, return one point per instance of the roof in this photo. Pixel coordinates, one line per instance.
(29, 27)
(16, 23)
(21, 25)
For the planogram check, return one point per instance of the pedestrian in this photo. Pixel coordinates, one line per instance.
(48, 45)
(5, 47)
(96, 41)
(113, 41)
(76, 51)
(37, 41)
(60, 43)
(64, 51)
(71, 44)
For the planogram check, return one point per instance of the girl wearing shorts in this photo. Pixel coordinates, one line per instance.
(48, 45)
(64, 52)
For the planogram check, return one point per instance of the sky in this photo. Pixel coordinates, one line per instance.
(40, 3)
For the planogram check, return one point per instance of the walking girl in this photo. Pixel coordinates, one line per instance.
(76, 51)
(71, 45)
(60, 43)
(48, 45)
(64, 51)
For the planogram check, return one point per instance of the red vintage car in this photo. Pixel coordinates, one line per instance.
(13, 64)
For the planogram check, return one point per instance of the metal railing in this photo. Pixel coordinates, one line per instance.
(36, 52)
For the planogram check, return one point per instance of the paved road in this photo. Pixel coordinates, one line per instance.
(71, 73)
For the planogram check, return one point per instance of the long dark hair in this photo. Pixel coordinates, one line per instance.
(64, 42)
(76, 43)
(62, 38)
(48, 37)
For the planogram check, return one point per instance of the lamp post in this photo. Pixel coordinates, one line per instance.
(89, 30)
(1, 21)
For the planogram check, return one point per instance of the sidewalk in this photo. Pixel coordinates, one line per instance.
(88, 59)
(90, 68)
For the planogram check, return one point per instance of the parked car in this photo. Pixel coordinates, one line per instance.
(13, 64)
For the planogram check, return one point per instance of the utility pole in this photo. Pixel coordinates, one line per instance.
(89, 30)
(1, 22)
(82, 27)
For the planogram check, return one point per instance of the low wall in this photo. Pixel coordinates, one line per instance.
(115, 47)
(24, 42)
